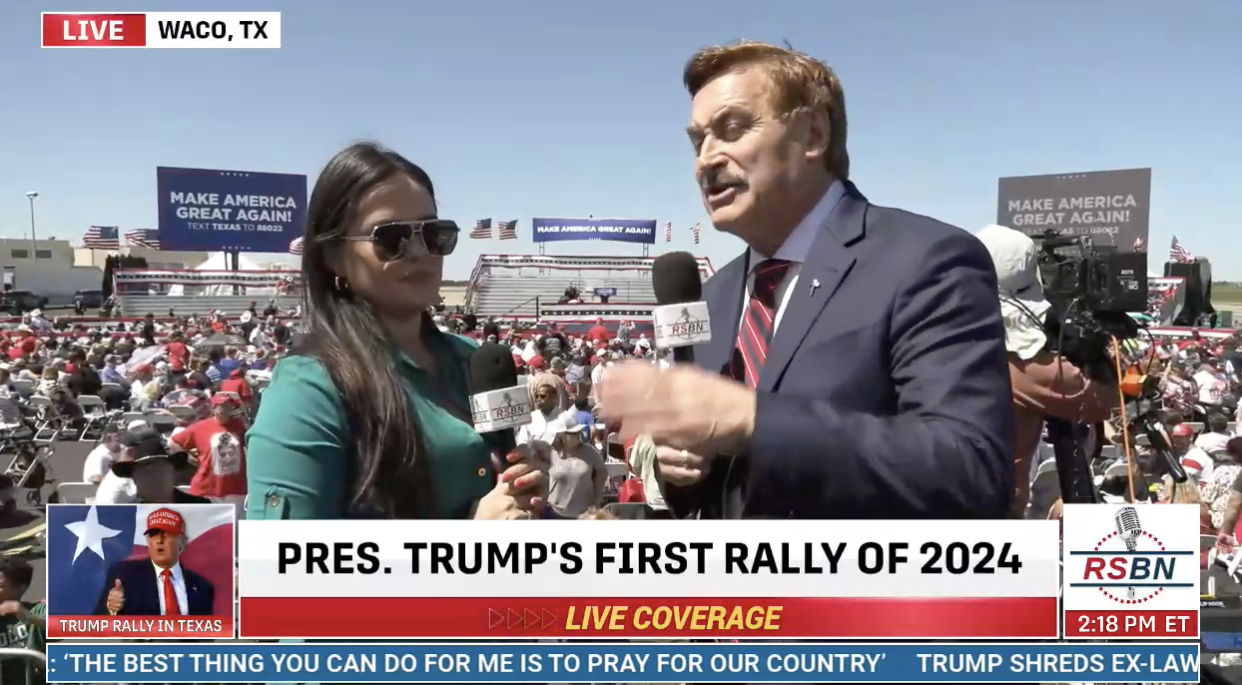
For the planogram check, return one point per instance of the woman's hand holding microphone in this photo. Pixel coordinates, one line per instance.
(522, 487)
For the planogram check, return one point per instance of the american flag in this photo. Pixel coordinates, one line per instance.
(102, 238)
(668, 232)
(698, 233)
(144, 237)
(482, 230)
(295, 247)
(1177, 253)
(84, 541)
(507, 230)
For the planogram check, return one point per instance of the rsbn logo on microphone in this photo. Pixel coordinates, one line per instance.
(1129, 570)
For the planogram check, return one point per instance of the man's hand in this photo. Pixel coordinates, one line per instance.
(15, 609)
(116, 598)
(684, 408)
(680, 467)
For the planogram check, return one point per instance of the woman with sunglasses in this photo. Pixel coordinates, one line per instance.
(371, 418)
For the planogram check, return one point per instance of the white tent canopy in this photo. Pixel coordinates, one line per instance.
(219, 261)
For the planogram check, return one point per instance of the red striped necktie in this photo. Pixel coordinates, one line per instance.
(758, 322)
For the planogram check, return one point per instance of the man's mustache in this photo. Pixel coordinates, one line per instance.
(720, 177)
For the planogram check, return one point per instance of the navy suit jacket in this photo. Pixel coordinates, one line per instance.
(142, 595)
(886, 391)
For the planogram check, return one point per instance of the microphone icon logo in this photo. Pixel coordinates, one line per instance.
(1129, 528)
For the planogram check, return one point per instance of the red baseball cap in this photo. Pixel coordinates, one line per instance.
(166, 521)
(223, 398)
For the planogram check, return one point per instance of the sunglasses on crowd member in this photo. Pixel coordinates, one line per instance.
(394, 241)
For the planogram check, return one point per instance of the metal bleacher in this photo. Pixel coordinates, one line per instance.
(515, 286)
(201, 305)
(199, 292)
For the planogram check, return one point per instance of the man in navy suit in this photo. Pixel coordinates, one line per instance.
(159, 585)
(857, 367)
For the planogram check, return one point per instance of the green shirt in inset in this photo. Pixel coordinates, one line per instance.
(23, 634)
(299, 452)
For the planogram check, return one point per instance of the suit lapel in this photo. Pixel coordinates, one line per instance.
(825, 268)
(725, 309)
(153, 586)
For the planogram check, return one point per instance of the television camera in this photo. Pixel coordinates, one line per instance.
(1092, 290)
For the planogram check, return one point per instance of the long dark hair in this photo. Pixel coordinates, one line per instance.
(390, 474)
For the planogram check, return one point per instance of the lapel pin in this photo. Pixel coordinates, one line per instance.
(814, 286)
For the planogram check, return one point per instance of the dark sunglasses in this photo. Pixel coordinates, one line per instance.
(393, 241)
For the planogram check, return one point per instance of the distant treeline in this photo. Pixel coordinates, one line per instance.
(455, 283)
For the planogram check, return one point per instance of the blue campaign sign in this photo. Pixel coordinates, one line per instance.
(642, 231)
(623, 663)
(210, 210)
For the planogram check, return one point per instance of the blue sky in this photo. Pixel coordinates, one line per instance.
(570, 108)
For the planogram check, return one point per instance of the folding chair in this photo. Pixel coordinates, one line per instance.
(160, 418)
(183, 412)
(24, 388)
(13, 426)
(95, 413)
(117, 387)
(30, 469)
(132, 416)
(50, 423)
(76, 493)
(1196, 426)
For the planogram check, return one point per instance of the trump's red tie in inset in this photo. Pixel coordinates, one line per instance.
(758, 322)
(171, 608)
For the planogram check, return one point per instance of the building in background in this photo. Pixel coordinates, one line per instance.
(156, 259)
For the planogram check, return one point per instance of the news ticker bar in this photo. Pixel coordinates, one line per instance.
(623, 663)
(215, 30)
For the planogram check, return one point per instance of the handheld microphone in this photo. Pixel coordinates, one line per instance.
(498, 403)
(682, 319)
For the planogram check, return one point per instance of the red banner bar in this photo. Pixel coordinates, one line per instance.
(142, 627)
(631, 618)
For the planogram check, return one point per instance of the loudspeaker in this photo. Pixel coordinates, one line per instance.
(1198, 276)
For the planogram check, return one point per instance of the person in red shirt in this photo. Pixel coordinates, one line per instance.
(178, 352)
(236, 382)
(219, 441)
(29, 342)
(598, 334)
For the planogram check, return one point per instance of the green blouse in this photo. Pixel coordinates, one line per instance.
(299, 451)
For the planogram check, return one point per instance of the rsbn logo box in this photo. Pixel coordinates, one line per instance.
(1131, 571)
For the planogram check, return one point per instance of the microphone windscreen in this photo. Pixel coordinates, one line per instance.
(675, 278)
(492, 368)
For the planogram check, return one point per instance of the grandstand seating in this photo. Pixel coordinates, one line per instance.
(192, 292)
(229, 305)
(515, 286)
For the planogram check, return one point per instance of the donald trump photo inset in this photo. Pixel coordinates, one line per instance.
(158, 585)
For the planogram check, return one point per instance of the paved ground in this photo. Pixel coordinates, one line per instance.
(23, 534)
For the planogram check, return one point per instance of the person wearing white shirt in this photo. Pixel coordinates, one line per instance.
(1216, 437)
(99, 461)
(546, 398)
(1212, 384)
